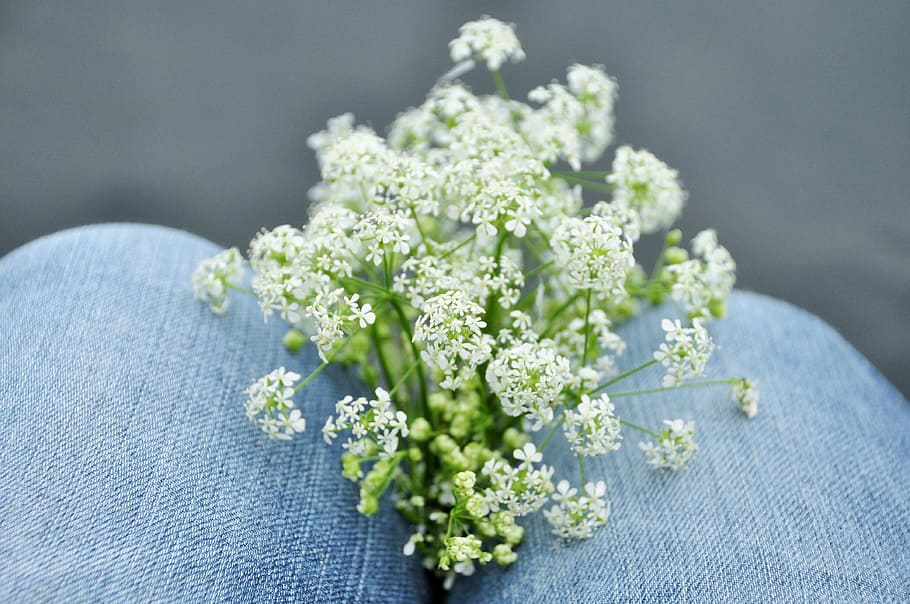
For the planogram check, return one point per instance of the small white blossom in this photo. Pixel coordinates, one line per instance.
(451, 330)
(376, 426)
(577, 517)
(270, 404)
(745, 394)
(488, 39)
(595, 254)
(592, 428)
(528, 379)
(708, 279)
(647, 185)
(520, 490)
(674, 448)
(686, 351)
(213, 276)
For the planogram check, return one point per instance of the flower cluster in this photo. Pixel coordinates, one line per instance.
(271, 406)
(476, 276)
(214, 276)
(685, 352)
(675, 445)
(577, 516)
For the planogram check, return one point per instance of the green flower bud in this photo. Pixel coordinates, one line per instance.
(504, 555)
(350, 466)
(718, 308)
(673, 237)
(368, 505)
(463, 484)
(484, 527)
(514, 439)
(675, 255)
(415, 454)
(439, 401)
(420, 430)
(443, 444)
(294, 340)
(477, 507)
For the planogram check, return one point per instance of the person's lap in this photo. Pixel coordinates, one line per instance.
(128, 469)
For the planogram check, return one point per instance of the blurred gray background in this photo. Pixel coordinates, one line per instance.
(789, 121)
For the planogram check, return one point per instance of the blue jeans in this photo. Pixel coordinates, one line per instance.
(128, 471)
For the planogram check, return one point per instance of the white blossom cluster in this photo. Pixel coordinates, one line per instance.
(675, 446)
(577, 516)
(213, 276)
(706, 279)
(647, 185)
(475, 274)
(271, 406)
(376, 426)
(528, 378)
(592, 428)
(451, 328)
(595, 253)
(685, 351)
(745, 394)
(489, 40)
(519, 490)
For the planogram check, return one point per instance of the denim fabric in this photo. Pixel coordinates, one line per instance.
(808, 502)
(128, 471)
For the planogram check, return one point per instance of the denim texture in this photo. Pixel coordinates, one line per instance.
(129, 473)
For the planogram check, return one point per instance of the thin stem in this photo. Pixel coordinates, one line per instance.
(581, 469)
(500, 84)
(542, 267)
(584, 356)
(728, 382)
(423, 236)
(404, 378)
(623, 376)
(459, 246)
(553, 317)
(587, 184)
(598, 174)
(639, 428)
(551, 433)
(380, 354)
(312, 375)
(242, 290)
(406, 327)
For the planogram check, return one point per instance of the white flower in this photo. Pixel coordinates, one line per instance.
(708, 279)
(271, 407)
(745, 394)
(686, 351)
(520, 490)
(647, 185)
(489, 40)
(595, 253)
(451, 330)
(575, 517)
(213, 276)
(675, 446)
(376, 426)
(528, 378)
(592, 428)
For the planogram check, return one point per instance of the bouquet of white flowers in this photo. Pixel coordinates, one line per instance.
(477, 290)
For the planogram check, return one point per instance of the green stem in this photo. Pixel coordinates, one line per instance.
(542, 267)
(587, 184)
(423, 236)
(500, 84)
(623, 376)
(404, 378)
(728, 382)
(551, 433)
(380, 354)
(639, 428)
(237, 288)
(406, 327)
(584, 356)
(553, 317)
(595, 174)
(493, 303)
(312, 375)
(581, 469)
(459, 246)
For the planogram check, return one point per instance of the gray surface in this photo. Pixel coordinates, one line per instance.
(789, 121)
